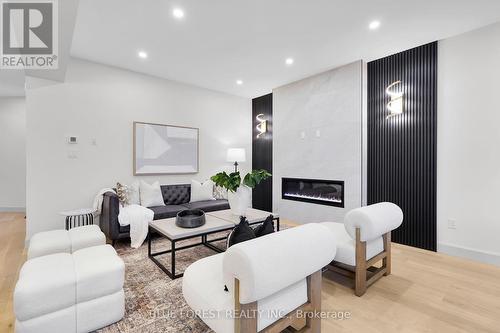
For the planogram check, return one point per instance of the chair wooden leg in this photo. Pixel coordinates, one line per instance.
(299, 324)
(360, 283)
(362, 266)
(387, 248)
(246, 321)
(313, 323)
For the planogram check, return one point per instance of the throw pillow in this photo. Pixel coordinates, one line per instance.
(133, 194)
(123, 194)
(220, 192)
(202, 191)
(265, 228)
(151, 194)
(242, 232)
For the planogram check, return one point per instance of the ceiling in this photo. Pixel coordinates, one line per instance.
(221, 41)
(12, 81)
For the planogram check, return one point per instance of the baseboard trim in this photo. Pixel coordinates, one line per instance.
(469, 253)
(12, 209)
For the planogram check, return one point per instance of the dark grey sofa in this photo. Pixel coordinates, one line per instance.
(176, 198)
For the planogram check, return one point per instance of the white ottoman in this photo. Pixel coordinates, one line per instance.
(44, 297)
(78, 292)
(65, 241)
(100, 275)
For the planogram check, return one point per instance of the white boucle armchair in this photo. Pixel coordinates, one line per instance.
(363, 240)
(272, 282)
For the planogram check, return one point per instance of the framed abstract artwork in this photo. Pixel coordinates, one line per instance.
(165, 149)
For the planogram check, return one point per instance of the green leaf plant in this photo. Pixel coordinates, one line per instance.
(232, 181)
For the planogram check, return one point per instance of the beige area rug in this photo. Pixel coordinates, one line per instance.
(154, 302)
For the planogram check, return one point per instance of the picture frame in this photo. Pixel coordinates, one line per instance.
(161, 149)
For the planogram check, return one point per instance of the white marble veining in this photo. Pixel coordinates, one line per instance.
(317, 134)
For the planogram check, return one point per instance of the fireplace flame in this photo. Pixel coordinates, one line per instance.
(314, 197)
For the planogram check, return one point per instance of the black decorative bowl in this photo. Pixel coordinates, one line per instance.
(190, 218)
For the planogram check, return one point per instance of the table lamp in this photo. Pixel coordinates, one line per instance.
(236, 155)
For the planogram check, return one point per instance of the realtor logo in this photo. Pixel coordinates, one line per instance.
(29, 34)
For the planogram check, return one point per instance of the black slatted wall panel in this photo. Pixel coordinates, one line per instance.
(402, 149)
(262, 152)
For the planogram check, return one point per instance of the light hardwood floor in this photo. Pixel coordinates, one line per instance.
(427, 291)
(12, 256)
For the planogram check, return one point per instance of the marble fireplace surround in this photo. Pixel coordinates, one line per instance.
(317, 134)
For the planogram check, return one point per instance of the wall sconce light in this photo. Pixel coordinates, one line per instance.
(395, 105)
(262, 125)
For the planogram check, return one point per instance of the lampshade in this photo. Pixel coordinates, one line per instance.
(236, 155)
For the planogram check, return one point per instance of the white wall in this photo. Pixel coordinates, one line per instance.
(12, 154)
(101, 102)
(331, 103)
(468, 165)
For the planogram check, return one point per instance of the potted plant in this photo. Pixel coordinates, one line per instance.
(238, 192)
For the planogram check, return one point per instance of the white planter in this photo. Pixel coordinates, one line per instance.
(240, 200)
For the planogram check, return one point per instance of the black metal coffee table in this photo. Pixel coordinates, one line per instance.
(216, 222)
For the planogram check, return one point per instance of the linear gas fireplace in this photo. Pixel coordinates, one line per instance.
(323, 192)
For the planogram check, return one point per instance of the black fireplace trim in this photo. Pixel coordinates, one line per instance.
(314, 201)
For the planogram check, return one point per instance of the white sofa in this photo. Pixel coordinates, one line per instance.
(363, 240)
(274, 274)
(65, 241)
(70, 293)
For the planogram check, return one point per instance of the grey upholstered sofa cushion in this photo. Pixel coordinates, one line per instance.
(164, 212)
(208, 205)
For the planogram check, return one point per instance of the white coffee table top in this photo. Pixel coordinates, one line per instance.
(253, 215)
(168, 228)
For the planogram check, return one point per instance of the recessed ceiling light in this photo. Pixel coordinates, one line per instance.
(289, 61)
(374, 25)
(142, 55)
(178, 13)
(239, 82)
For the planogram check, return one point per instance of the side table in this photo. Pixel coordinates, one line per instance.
(78, 217)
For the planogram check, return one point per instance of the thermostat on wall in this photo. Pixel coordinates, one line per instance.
(72, 139)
